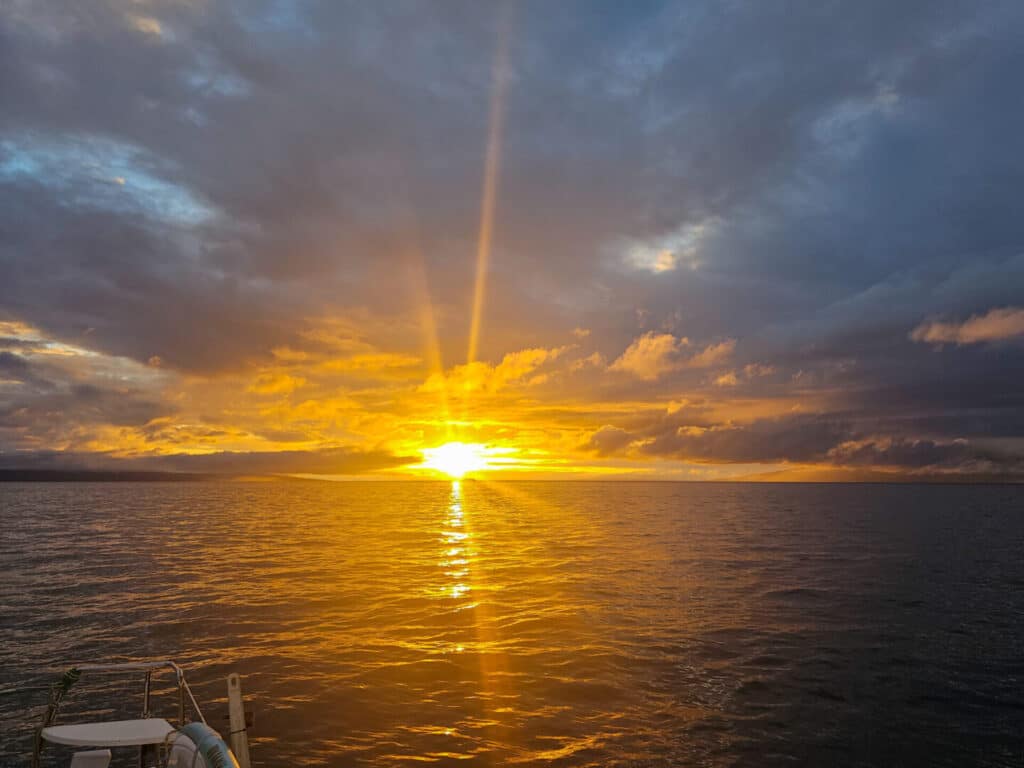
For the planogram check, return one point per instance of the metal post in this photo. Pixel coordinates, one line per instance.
(236, 717)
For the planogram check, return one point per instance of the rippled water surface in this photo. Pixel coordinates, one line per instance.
(641, 624)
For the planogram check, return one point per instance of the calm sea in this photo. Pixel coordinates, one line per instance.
(632, 624)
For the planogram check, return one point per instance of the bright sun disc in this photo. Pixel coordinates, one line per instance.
(456, 459)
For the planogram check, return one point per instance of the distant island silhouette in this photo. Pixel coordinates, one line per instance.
(97, 476)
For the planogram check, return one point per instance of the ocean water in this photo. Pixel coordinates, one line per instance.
(572, 624)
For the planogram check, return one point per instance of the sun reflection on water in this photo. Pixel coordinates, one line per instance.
(466, 587)
(456, 539)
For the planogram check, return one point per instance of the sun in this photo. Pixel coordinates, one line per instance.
(457, 459)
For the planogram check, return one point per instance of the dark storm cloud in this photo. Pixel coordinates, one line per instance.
(799, 438)
(193, 182)
(121, 284)
(927, 454)
(683, 435)
(55, 415)
(811, 438)
(15, 368)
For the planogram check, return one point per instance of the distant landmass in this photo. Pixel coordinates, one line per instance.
(97, 476)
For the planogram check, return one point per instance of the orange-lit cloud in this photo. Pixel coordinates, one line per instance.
(483, 377)
(654, 354)
(651, 356)
(994, 325)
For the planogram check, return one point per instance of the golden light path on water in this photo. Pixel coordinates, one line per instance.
(460, 564)
(462, 561)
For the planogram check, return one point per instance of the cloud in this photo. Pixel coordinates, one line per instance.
(727, 379)
(608, 440)
(147, 25)
(666, 253)
(799, 438)
(593, 360)
(747, 374)
(275, 384)
(75, 415)
(994, 325)
(16, 369)
(482, 377)
(95, 172)
(712, 355)
(653, 355)
(905, 453)
(263, 199)
(755, 370)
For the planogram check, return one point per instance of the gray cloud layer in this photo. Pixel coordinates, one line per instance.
(193, 182)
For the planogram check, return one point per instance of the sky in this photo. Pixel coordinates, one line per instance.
(665, 240)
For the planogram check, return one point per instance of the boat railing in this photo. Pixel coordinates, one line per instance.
(151, 667)
(59, 689)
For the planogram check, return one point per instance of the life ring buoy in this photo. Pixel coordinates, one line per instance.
(200, 741)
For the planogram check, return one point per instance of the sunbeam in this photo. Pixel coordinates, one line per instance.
(431, 341)
(492, 172)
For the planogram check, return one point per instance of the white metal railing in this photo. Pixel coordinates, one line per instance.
(59, 689)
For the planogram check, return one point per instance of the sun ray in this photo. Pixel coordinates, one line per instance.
(492, 172)
(431, 340)
(420, 287)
